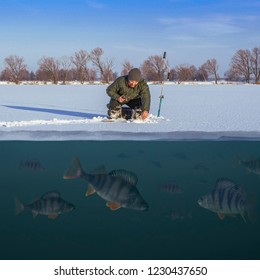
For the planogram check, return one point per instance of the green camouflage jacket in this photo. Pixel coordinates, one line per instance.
(120, 87)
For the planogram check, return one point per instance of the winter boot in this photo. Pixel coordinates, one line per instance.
(115, 113)
(127, 113)
(137, 113)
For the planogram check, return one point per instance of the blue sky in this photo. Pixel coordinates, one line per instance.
(189, 31)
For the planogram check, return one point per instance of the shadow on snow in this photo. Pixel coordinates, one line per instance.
(58, 112)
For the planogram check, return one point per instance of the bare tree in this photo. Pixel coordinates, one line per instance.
(80, 60)
(50, 67)
(202, 74)
(92, 74)
(148, 72)
(105, 68)
(95, 57)
(230, 75)
(185, 72)
(172, 75)
(127, 66)
(255, 63)
(15, 68)
(108, 74)
(154, 68)
(65, 64)
(211, 67)
(241, 64)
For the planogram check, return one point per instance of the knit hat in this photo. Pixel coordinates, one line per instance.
(134, 75)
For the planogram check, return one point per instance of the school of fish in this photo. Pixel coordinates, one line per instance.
(118, 189)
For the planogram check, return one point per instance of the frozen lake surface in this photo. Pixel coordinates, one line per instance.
(75, 112)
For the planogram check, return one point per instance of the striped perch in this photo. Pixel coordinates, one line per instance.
(117, 188)
(33, 164)
(252, 165)
(49, 204)
(227, 198)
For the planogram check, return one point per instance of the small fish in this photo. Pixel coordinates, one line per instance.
(179, 214)
(117, 188)
(171, 187)
(32, 164)
(252, 165)
(227, 198)
(50, 204)
(200, 168)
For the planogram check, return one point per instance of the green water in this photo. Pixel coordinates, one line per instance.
(174, 227)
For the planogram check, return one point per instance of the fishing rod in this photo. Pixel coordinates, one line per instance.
(161, 97)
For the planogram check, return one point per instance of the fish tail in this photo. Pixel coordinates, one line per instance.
(236, 161)
(251, 208)
(19, 206)
(75, 170)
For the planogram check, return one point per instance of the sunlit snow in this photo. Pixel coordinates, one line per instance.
(77, 112)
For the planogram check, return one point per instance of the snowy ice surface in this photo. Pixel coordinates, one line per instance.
(75, 112)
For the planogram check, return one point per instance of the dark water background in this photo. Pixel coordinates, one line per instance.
(175, 227)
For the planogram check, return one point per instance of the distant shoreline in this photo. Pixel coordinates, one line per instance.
(40, 83)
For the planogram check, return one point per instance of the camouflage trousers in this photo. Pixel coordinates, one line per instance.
(119, 110)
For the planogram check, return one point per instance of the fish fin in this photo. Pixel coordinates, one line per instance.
(51, 194)
(222, 183)
(90, 190)
(53, 216)
(236, 161)
(232, 215)
(243, 216)
(125, 175)
(248, 171)
(19, 206)
(113, 205)
(75, 170)
(221, 216)
(35, 214)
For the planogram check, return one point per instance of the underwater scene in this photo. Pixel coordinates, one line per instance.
(104, 200)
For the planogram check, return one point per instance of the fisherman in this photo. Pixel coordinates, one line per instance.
(131, 90)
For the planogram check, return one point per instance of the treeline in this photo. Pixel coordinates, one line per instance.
(84, 66)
